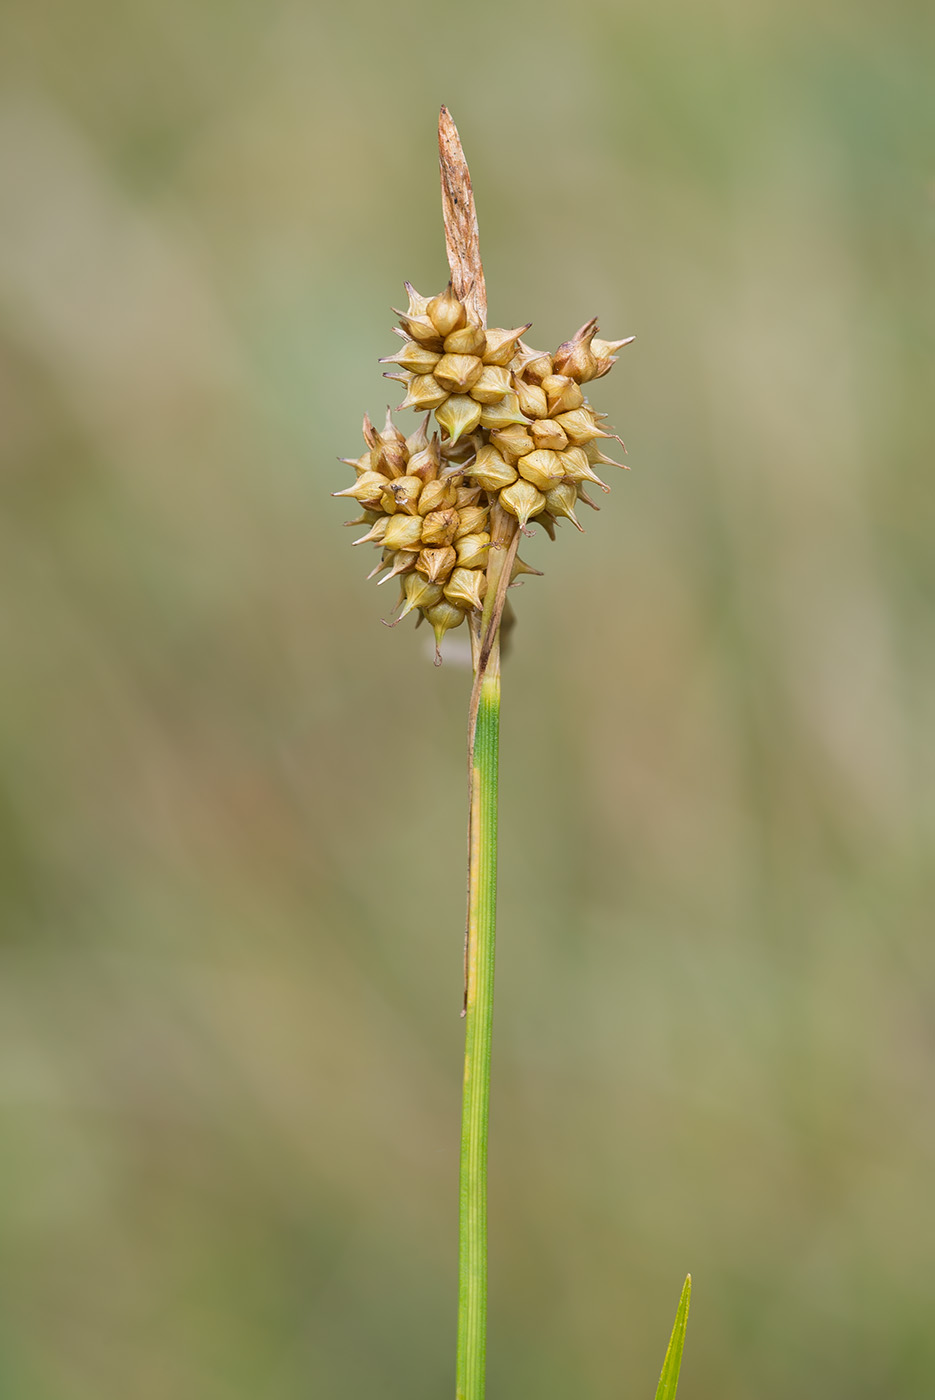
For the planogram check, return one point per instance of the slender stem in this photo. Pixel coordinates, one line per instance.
(467, 277)
(482, 915)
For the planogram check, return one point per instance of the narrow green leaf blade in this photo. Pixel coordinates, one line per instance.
(669, 1380)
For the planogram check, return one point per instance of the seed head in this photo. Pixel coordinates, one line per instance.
(515, 442)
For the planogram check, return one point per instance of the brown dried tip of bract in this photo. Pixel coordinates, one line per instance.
(516, 439)
(462, 239)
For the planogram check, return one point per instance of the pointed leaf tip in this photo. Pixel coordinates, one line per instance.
(669, 1380)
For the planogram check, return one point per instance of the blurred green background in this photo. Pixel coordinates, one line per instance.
(232, 811)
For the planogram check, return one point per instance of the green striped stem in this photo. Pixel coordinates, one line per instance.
(482, 916)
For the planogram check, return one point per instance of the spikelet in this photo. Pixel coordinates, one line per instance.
(429, 521)
(514, 428)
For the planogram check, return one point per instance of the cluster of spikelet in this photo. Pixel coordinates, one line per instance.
(516, 429)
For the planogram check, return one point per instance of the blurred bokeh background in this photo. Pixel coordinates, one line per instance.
(232, 812)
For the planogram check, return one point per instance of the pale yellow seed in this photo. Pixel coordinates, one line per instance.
(492, 385)
(514, 441)
(501, 345)
(446, 313)
(560, 501)
(420, 328)
(458, 415)
(436, 495)
(542, 467)
(458, 373)
(466, 588)
(424, 392)
(405, 492)
(580, 426)
(368, 489)
(436, 564)
(443, 617)
(547, 433)
(440, 527)
(502, 414)
(522, 500)
(563, 393)
(419, 593)
(403, 532)
(578, 468)
(472, 520)
(472, 550)
(418, 359)
(469, 340)
(491, 470)
(532, 399)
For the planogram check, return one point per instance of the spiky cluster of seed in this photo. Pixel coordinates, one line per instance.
(515, 429)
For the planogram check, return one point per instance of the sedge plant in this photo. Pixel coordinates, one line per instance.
(515, 442)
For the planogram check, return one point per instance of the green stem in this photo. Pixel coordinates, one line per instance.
(482, 916)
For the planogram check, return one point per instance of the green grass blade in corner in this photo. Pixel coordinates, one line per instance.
(669, 1380)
